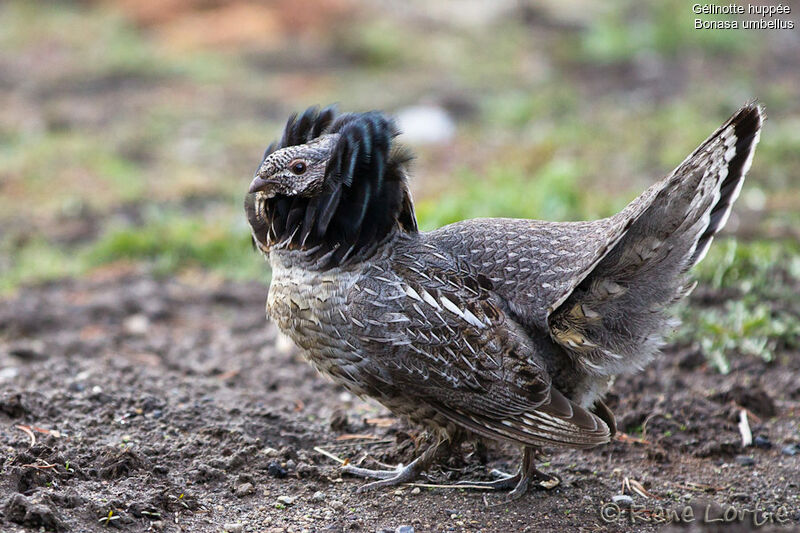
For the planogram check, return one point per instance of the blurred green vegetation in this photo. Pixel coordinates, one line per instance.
(759, 313)
(665, 28)
(146, 145)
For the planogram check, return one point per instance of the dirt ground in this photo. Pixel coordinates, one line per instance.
(141, 404)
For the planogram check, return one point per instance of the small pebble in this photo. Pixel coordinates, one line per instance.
(136, 324)
(318, 496)
(623, 500)
(745, 460)
(306, 470)
(270, 452)
(404, 529)
(244, 489)
(286, 500)
(790, 449)
(415, 490)
(762, 442)
(233, 528)
(275, 469)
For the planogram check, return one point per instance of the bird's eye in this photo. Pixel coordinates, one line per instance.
(298, 167)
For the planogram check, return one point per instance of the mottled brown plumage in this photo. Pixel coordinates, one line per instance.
(506, 329)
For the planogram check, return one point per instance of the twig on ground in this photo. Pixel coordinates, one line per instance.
(624, 437)
(744, 429)
(381, 422)
(635, 487)
(644, 425)
(356, 436)
(437, 486)
(27, 431)
(44, 466)
(700, 487)
(329, 455)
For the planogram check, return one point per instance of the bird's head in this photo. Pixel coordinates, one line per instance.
(334, 186)
(295, 170)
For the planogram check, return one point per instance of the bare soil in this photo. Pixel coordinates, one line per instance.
(144, 404)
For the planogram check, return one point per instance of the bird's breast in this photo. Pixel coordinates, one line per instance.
(311, 308)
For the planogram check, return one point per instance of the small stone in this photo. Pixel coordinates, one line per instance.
(286, 500)
(290, 464)
(404, 529)
(136, 324)
(345, 397)
(745, 460)
(415, 490)
(244, 489)
(623, 500)
(790, 449)
(232, 528)
(318, 496)
(339, 421)
(306, 470)
(762, 442)
(275, 469)
(8, 373)
(270, 452)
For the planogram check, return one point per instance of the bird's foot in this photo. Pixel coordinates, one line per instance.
(542, 481)
(387, 478)
(504, 481)
(517, 482)
(399, 474)
(520, 481)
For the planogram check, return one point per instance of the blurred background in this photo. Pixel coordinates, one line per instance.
(130, 129)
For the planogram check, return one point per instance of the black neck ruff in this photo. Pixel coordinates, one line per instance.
(365, 196)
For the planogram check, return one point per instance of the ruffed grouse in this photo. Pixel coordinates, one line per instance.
(504, 329)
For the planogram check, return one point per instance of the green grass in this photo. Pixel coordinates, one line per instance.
(551, 192)
(627, 29)
(763, 317)
(166, 243)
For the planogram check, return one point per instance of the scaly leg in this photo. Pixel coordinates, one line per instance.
(521, 480)
(401, 474)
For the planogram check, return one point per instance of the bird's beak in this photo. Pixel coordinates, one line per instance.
(260, 184)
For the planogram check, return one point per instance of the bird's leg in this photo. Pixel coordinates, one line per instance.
(401, 474)
(520, 481)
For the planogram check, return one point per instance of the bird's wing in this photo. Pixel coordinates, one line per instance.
(599, 288)
(611, 320)
(443, 340)
(532, 263)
